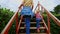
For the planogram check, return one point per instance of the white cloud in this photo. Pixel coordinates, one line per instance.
(13, 4)
(49, 4)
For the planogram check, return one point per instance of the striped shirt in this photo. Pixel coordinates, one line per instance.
(28, 2)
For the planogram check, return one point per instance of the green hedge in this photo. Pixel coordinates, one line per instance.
(55, 29)
(5, 15)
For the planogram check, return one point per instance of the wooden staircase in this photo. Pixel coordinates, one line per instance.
(33, 28)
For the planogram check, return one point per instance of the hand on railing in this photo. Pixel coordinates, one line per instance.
(37, 7)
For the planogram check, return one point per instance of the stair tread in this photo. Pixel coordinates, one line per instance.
(34, 33)
(32, 22)
(33, 28)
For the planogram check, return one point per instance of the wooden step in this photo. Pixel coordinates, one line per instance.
(34, 33)
(32, 22)
(33, 28)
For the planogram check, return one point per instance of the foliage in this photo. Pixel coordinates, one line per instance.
(5, 15)
(55, 29)
(57, 9)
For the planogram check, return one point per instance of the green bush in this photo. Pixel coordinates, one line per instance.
(5, 15)
(55, 29)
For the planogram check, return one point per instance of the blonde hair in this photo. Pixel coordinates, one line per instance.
(28, 2)
(37, 11)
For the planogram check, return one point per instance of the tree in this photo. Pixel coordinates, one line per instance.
(57, 9)
(5, 16)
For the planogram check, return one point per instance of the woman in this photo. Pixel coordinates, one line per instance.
(26, 12)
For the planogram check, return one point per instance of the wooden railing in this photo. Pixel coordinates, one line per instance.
(8, 26)
(19, 24)
(47, 29)
(50, 15)
(57, 21)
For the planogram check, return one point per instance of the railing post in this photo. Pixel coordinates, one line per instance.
(17, 23)
(6, 32)
(48, 19)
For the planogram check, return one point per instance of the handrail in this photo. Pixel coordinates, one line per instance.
(52, 16)
(35, 8)
(45, 24)
(19, 23)
(8, 26)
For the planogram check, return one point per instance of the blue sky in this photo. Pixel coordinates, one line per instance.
(13, 4)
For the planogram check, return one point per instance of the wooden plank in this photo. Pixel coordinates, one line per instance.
(32, 22)
(35, 33)
(33, 27)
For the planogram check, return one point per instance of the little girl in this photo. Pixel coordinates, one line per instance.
(38, 19)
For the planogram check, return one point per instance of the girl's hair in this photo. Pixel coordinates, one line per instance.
(38, 11)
